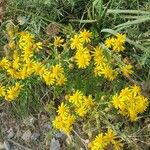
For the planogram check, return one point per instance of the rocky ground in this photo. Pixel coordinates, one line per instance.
(30, 133)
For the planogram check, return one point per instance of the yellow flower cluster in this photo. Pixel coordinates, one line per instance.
(106, 70)
(104, 140)
(102, 67)
(83, 56)
(79, 43)
(54, 76)
(10, 93)
(64, 120)
(80, 39)
(79, 104)
(127, 70)
(130, 102)
(116, 43)
(22, 62)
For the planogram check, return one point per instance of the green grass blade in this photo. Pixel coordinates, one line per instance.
(134, 22)
(98, 5)
(118, 11)
(82, 21)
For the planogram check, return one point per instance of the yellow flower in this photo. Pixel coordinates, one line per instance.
(136, 89)
(130, 102)
(132, 113)
(76, 42)
(141, 104)
(27, 55)
(16, 63)
(57, 123)
(109, 42)
(101, 141)
(81, 111)
(29, 64)
(39, 68)
(98, 143)
(118, 46)
(68, 124)
(116, 43)
(48, 78)
(58, 41)
(57, 70)
(5, 63)
(25, 35)
(64, 122)
(82, 58)
(79, 105)
(69, 120)
(25, 38)
(24, 72)
(86, 36)
(58, 73)
(76, 98)
(12, 72)
(88, 102)
(61, 80)
(125, 92)
(121, 37)
(2, 90)
(13, 92)
(117, 145)
(26, 42)
(63, 109)
(105, 70)
(109, 136)
(116, 101)
(38, 46)
(98, 55)
(127, 70)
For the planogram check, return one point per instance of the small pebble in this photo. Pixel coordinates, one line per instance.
(6, 145)
(10, 133)
(35, 136)
(18, 133)
(55, 145)
(26, 135)
(47, 125)
(59, 135)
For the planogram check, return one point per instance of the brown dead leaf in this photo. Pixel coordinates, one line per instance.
(2, 9)
(52, 29)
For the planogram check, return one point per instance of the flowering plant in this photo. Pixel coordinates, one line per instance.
(85, 69)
